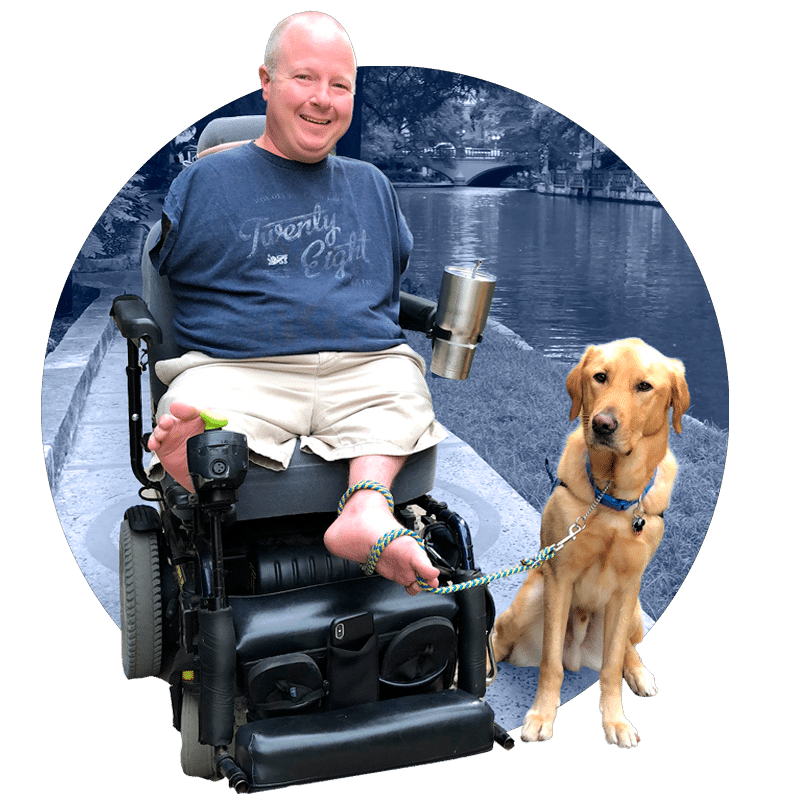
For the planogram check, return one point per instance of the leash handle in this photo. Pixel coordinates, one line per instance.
(374, 486)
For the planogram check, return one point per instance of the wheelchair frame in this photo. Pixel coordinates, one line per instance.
(203, 578)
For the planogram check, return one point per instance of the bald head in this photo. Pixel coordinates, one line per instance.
(317, 20)
(308, 81)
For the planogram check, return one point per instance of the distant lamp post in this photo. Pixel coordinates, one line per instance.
(461, 150)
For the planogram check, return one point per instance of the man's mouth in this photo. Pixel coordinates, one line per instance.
(315, 121)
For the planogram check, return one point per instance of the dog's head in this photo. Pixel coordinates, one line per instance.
(623, 391)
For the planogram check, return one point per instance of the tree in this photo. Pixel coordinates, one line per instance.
(406, 108)
(111, 233)
(559, 137)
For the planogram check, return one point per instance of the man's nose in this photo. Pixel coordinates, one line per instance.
(322, 94)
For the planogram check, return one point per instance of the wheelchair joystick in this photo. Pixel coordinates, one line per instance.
(217, 461)
(218, 465)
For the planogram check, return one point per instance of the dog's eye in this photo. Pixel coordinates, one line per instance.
(644, 386)
(600, 377)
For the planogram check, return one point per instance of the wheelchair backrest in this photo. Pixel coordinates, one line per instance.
(229, 130)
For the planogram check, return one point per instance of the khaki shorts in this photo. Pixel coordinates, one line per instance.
(340, 405)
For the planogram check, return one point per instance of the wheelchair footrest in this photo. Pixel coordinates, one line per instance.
(401, 732)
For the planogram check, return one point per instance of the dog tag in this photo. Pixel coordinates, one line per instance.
(638, 524)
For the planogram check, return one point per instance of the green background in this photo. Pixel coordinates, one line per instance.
(691, 95)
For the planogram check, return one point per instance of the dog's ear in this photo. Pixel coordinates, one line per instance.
(680, 393)
(575, 385)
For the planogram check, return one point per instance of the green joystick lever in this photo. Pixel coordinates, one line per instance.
(213, 423)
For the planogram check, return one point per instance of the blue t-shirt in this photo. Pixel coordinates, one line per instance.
(269, 257)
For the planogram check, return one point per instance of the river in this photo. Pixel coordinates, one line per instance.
(575, 272)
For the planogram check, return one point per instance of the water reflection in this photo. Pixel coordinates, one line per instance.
(575, 272)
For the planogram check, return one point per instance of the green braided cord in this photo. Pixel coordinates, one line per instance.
(374, 485)
(383, 543)
(525, 565)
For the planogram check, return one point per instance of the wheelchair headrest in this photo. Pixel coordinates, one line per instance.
(229, 131)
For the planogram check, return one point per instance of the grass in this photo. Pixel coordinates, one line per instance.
(514, 412)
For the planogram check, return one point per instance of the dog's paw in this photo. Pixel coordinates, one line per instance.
(537, 727)
(641, 682)
(621, 733)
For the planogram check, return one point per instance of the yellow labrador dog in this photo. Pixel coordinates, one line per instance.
(581, 608)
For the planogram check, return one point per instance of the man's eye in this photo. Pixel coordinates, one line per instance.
(600, 377)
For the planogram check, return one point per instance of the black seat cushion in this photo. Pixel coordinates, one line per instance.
(311, 485)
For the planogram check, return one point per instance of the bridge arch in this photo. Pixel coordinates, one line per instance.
(467, 166)
(494, 176)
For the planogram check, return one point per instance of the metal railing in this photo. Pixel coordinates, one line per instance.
(443, 152)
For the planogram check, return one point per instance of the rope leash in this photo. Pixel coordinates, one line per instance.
(371, 563)
(525, 564)
(374, 485)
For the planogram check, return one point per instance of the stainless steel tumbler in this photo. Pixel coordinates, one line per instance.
(464, 301)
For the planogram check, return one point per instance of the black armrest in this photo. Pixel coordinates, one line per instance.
(416, 313)
(134, 319)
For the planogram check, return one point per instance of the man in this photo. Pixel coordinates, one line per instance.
(285, 263)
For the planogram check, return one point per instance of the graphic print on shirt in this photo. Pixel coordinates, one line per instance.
(314, 241)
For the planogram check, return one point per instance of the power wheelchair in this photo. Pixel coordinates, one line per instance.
(284, 663)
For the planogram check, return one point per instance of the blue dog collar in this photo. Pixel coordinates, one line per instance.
(614, 502)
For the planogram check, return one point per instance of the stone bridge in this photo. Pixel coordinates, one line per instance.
(474, 166)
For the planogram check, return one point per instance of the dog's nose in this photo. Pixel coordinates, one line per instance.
(604, 424)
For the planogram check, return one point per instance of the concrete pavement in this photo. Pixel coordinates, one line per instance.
(85, 433)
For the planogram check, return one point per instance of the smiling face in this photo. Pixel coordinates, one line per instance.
(310, 93)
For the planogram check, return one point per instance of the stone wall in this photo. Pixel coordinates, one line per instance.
(131, 260)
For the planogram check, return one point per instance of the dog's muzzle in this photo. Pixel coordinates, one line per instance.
(604, 425)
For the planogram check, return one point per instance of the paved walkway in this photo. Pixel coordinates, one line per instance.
(86, 448)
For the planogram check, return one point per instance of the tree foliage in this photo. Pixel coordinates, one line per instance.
(406, 98)
(128, 208)
(406, 109)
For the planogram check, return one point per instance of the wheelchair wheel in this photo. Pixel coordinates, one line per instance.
(197, 760)
(140, 602)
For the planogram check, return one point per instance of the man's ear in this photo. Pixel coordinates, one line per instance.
(263, 75)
